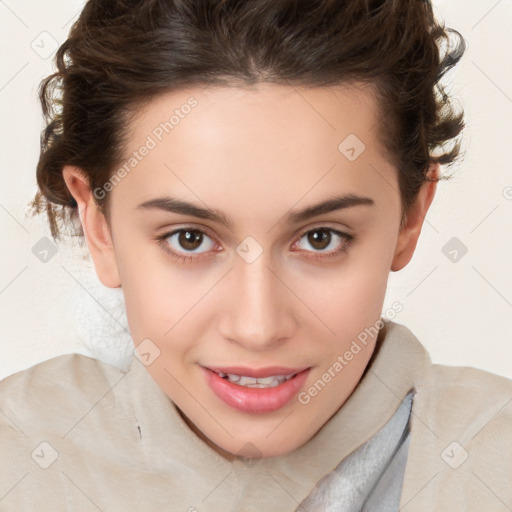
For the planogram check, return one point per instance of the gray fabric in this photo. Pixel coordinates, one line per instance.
(370, 478)
(386, 495)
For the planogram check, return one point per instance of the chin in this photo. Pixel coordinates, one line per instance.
(259, 449)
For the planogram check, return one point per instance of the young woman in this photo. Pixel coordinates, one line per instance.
(249, 172)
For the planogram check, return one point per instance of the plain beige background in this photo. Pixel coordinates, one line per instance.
(459, 305)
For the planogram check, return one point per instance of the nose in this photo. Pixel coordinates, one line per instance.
(259, 312)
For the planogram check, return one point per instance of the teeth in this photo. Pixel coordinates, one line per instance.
(252, 382)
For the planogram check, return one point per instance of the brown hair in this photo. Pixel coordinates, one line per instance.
(120, 54)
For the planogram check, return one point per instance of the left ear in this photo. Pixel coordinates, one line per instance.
(411, 229)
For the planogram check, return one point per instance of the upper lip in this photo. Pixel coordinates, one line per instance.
(268, 371)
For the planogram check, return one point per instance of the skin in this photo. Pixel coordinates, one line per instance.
(255, 154)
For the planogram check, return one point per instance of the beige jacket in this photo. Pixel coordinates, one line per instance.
(77, 434)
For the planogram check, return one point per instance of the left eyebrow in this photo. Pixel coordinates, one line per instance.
(173, 205)
(330, 205)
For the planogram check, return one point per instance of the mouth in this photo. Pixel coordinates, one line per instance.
(263, 390)
(256, 373)
(256, 382)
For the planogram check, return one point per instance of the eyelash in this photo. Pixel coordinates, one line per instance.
(347, 240)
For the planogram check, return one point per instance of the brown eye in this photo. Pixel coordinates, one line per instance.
(323, 238)
(319, 238)
(184, 243)
(190, 239)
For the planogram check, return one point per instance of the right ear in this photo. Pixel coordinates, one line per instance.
(95, 227)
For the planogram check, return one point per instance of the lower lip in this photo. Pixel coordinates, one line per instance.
(255, 400)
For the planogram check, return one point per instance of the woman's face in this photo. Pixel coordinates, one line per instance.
(260, 275)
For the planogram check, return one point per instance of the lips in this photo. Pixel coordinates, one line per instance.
(256, 400)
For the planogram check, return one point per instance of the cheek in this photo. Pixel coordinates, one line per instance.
(357, 302)
(162, 302)
(151, 301)
(354, 297)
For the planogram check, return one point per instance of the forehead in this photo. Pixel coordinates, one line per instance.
(275, 141)
(265, 108)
